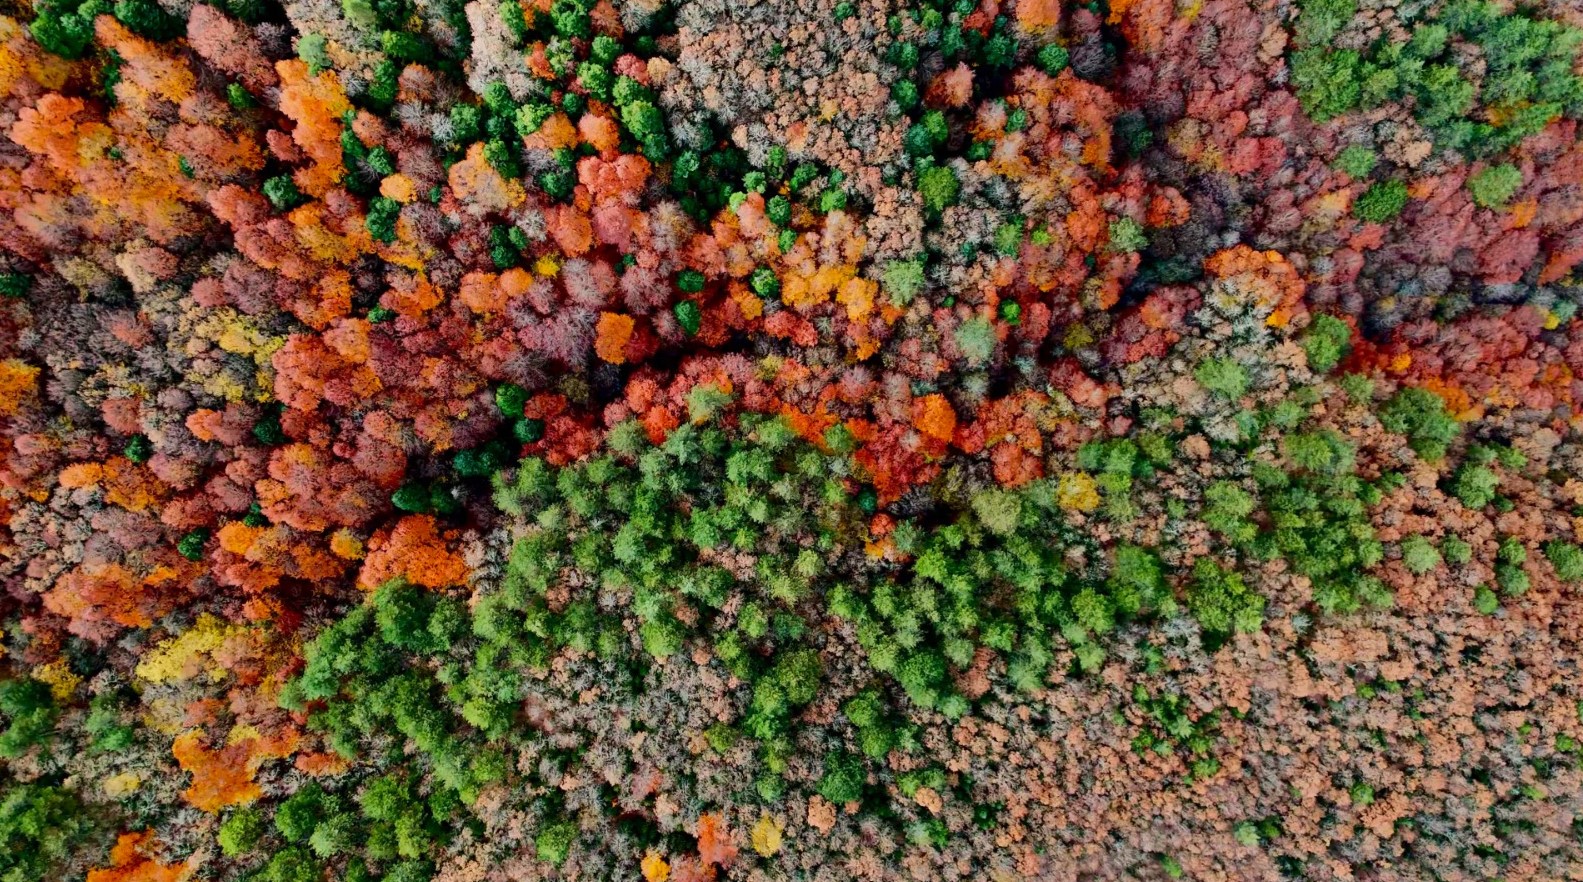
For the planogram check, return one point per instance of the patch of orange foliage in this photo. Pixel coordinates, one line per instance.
(416, 551)
(1266, 277)
(316, 103)
(614, 331)
(130, 862)
(714, 841)
(101, 599)
(933, 416)
(18, 381)
(224, 777)
(1038, 16)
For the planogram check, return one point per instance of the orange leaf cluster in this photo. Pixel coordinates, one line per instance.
(18, 382)
(614, 331)
(99, 600)
(316, 103)
(933, 416)
(1266, 277)
(415, 551)
(224, 777)
(131, 862)
(714, 841)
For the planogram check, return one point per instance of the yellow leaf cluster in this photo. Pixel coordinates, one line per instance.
(654, 867)
(122, 784)
(238, 335)
(857, 295)
(398, 187)
(179, 658)
(323, 243)
(804, 290)
(1077, 492)
(61, 681)
(766, 836)
(18, 381)
(21, 61)
(345, 545)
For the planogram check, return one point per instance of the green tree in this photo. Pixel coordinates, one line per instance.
(1357, 161)
(282, 193)
(1326, 341)
(1221, 601)
(241, 830)
(381, 220)
(300, 813)
(1329, 83)
(1053, 59)
(797, 674)
(148, 19)
(1421, 415)
(843, 778)
(1223, 375)
(31, 715)
(1475, 484)
(939, 187)
(1567, 559)
(1419, 555)
(41, 828)
(902, 280)
(1494, 185)
(1381, 203)
(554, 842)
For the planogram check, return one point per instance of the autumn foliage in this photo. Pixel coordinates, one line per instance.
(695, 440)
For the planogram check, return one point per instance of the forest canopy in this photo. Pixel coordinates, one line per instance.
(685, 440)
